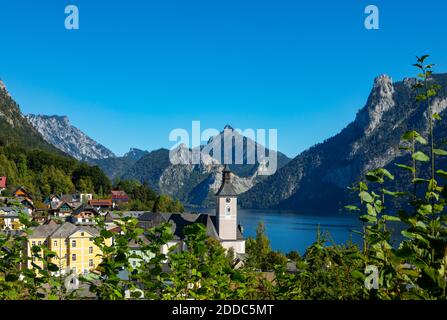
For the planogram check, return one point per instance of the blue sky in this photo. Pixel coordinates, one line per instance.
(138, 69)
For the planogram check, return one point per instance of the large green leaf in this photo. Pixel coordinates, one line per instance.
(366, 197)
(440, 152)
(442, 174)
(420, 156)
(402, 166)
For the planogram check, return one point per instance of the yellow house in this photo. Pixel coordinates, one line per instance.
(73, 245)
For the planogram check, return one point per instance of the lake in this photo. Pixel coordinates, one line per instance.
(289, 231)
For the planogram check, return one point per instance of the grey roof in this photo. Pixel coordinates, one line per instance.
(93, 231)
(8, 209)
(60, 231)
(133, 244)
(179, 221)
(43, 231)
(84, 207)
(149, 219)
(132, 214)
(226, 188)
(64, 230)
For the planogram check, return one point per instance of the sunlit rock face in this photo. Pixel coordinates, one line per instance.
(317, 179)
(58, 131)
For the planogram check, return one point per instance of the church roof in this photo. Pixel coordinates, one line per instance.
(226, 188)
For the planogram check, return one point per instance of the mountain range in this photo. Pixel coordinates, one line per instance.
(315, 181)
(193, 184)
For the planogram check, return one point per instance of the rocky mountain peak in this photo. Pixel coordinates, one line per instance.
(135, 154)
(380, 100)
(58, 131)
(3, 88)
(383, 81)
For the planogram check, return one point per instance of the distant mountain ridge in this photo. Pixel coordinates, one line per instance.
(58, 131)
(195, 184)
(115, 167)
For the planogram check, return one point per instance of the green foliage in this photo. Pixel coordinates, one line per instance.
(43, 172)
(259, 253)
(142, 197)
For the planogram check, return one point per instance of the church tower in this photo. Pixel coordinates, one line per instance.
(226, 208)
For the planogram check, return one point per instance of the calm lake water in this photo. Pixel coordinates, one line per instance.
(289, 231)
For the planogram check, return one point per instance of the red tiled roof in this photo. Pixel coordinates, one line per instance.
(3, 182)
(105, 202)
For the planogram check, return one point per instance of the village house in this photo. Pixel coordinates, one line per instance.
(119, 197)
(53, 198)
(41, 216)
(74, 246)
(3, 184)
(84, 215)
(25, 199)
(73, 199)
(101, 205)
(137, 255)
(61, 209)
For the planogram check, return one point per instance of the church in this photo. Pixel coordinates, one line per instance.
(222, 226)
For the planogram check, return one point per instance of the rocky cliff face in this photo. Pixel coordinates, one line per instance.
(60, 133)
(316, 181)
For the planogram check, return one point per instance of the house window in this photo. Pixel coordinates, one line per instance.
(39, 243)
(55, 243)
(82, 234)
(134, 263)
(90, 250)
(228, 211)
(73, 243)
(73, 257)
(33, 243)
(90, 263)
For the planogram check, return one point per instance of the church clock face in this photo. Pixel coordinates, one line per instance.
(228, 200)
